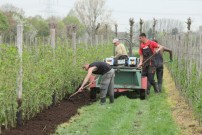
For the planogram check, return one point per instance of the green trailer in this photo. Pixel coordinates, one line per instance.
(128, 79)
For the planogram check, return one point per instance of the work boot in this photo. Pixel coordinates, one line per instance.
(160, 87)
(103, 101)
(155, 86)
(111, 99)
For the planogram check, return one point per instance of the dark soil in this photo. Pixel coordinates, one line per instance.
(47, 121)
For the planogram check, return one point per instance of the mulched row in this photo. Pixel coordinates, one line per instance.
(47, 121)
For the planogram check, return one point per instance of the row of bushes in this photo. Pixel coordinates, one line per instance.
(45, 72)
(190, 88)
(186, 66)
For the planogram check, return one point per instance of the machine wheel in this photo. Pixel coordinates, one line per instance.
(116, 94)
(132, 94)
(142, 94)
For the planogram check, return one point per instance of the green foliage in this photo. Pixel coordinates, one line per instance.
(124, 117)
(8, 75)
(14, 16)
(3, 22)
(70, 21)
(44, 72)
(40, 25)
(188, 81)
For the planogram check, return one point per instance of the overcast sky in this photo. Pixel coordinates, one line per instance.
(122, 10)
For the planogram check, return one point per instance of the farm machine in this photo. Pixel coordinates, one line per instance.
(128, 78)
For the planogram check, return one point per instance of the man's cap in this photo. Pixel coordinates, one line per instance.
(115, 40)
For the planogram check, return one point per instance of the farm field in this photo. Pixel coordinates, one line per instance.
(165, 113)
(48, 56)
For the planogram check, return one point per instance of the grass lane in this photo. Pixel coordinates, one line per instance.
(125, 117)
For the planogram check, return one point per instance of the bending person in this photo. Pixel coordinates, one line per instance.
(107, 82)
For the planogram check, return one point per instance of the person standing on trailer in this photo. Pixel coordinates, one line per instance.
(146, 51)
(120, 50)
(107, 82)
(159, 65)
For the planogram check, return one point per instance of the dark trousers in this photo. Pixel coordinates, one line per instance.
(159, 75)
(149, 71)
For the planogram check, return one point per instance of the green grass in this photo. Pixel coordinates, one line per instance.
(124, 117)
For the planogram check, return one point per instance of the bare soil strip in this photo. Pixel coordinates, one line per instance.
(46, 122)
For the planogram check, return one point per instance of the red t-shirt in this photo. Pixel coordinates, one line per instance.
(152, 46)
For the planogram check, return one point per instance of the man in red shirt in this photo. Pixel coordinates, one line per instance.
(146, 50)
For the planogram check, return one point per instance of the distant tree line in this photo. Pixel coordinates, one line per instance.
(83, 18)
(88, 17)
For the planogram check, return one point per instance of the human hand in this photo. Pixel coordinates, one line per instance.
(139, 65)
(80, 89)
(157, 50)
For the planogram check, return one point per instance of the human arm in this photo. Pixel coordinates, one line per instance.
(87, 77)
(141, 61)
(141, 58)
(170, 52)
(160, 47)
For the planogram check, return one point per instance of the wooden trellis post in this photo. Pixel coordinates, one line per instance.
(188, 24)
(20, 75)
(106, 27)
(52, 43)
(96, 40)
(1, 39)
(52, 35)
(116, 30)
(141, 23)
(154, 31)
(74, 43)
(102, 39)
(131, 21)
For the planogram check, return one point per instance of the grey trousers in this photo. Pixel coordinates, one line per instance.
(107, 84)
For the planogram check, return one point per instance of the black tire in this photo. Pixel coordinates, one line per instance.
(132, 94)
(142, 94)
(116, 94)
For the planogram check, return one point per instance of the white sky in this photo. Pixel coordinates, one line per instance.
(122, 10)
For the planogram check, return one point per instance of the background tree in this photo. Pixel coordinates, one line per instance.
(174, 31)
(38, 24)
(163, 25)
(150, 33)
(91, 13)
(70, 21)
(3, 23)
(14, 16)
